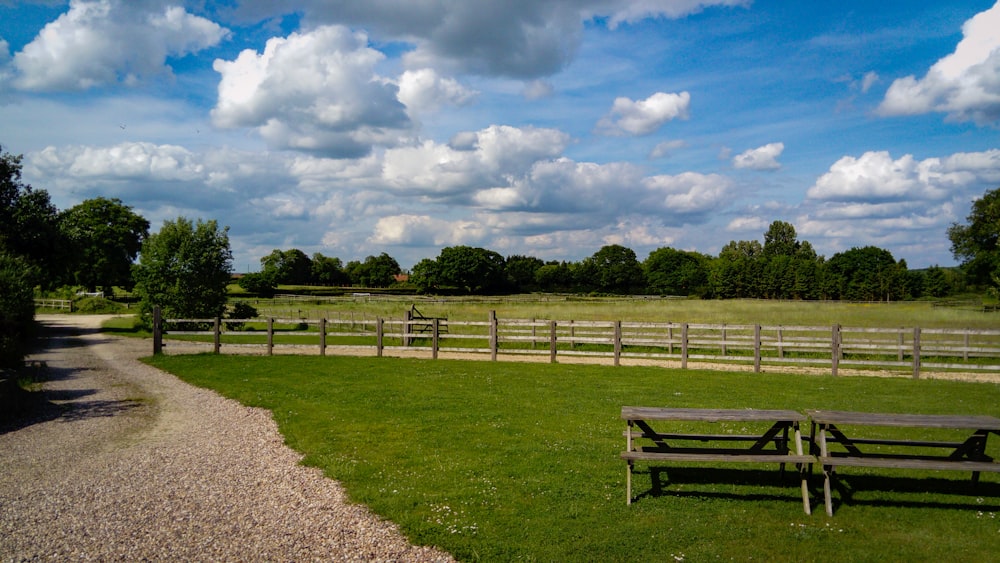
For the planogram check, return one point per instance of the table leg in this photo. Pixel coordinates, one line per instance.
(827, 471)
(802, 470)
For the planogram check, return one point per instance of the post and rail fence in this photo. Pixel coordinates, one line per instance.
(909, 350)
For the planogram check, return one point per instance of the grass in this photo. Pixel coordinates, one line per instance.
(505, 461)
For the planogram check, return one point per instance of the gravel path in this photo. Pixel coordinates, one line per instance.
(130, 463)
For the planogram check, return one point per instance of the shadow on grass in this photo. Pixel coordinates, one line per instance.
(665, 480)
(916, 492)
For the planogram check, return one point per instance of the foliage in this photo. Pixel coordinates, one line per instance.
(290, 267)
(241, 311)
(184, 269)
(469, 269)
(29, 224)
(96, 305)
(375, 271)
(676, 272)
(865, 274)
(514, 461)
(258, 283)
(521, 272)
(977, 243)
(17, 309)
(328, 271)
(105, 236)
(613, 269)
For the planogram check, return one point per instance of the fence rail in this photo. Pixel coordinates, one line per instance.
(904, 349)
(54, 304)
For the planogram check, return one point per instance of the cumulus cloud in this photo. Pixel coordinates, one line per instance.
(315, 91)
(964, 84)
(642, 117)
(760, 158)
(424, 230)
(524, 39)
(875, 176)
(425, 90)
(104, 42)
(686, 194)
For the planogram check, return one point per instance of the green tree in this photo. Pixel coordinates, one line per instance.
(976, 244)
(471, 269)
(556, 276)
(105, 236)
(780, 240)
(425, 275)
(258, 283)
(521, 272)
(17, 309)
(290, 267)
(29, 224)
(327, 270)
(866, 274)
(614, 269)
(375, 271)
(676, 272)
(737, 272)
(184, 269)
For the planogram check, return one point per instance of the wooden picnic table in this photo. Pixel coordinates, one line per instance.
(844, 429)
(770, 446)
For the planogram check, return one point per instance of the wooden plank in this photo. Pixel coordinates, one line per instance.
(941, 464)
(711, 415)
(958, 422)
(718, 457)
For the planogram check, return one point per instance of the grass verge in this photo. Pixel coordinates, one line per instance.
(498, 461)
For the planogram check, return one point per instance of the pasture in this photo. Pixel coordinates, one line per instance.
(511, 461)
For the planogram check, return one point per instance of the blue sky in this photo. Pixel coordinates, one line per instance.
(540, 127)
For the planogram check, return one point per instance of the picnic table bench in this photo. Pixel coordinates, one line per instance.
(770, 446)
(843, 428)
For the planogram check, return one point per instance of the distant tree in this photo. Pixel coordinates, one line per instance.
(29, 224)
(328, 270)
(425, 275)
(375, 271)
(780, 240)
(291, 267)
(614, 269)
(676, 272)
(556, 276)
(976, 244)
(471, 269)
(261, 284)
(865, 274)
(184, 269)
(738, 270)
(521, 272)
(105, 236)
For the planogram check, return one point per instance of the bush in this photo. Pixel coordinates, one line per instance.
(96, 305)
(241, 310)
(17, 310)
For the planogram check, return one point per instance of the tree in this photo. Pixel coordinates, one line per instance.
(780, 240)
(425, 275)
(29, 224)
(105, 236)
(614, 269)
(676, 272)
(866, 274)
(17, 309)
(375, 271)
(470, 269)
(290, 267)
(521, 272)
(184, 269)
(977, 243)
(328, 270)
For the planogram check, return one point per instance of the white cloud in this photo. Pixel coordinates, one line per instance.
(875, 176)
(685, 194)
(752, 224)
(869, 80)
(424, 230)
(631, 11)
(964, 84)
(538, 89)
(314, 91)
(760, 158)
(109, 41)
(666, 148)
(642, 117)
(424, 90)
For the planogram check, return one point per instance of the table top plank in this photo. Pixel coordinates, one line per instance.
(711, 415)
(963, 422)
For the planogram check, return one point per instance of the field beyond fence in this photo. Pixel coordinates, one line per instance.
(906, 350)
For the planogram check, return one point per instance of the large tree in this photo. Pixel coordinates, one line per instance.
(29, 223)
(105, 236)
(291, 267)
(375, 271)
(471, 269)
(614, 269)
(184, 269)
(977, 243)
(677, 272)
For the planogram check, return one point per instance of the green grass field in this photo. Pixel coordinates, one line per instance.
(508, 461)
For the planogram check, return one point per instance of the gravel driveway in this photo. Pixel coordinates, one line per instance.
(130, 463)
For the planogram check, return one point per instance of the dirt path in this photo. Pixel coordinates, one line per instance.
(128, 463)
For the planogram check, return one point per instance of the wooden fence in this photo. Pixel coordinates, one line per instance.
(908, 350)
(54, 304)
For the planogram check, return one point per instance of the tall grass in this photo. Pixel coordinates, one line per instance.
(498, 462)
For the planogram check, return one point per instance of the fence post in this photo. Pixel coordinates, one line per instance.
(965, 351)
(916, 353)
(216, 335)
(899, 354)
(157, 331)
(379, 335)
(781, 342)
(270, 336)
(756, 348)
(723, 340)
(618, 342)
(835, 348)
(434, 338)
(670, 339)
(407, 317)
(552, 342)
(684, 346)
(322, 336)
(494, 336)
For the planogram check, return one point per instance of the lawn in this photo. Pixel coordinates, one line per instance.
(509, 461)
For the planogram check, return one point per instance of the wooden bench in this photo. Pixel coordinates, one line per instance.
(966, 455)
(770, 446)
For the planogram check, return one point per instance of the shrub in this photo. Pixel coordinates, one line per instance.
(17, 310)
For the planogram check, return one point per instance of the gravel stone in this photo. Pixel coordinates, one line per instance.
(130, 463)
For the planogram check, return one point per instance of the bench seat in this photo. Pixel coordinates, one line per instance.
(940, 464)
(718, 457)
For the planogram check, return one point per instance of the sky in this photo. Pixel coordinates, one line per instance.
(546, 128)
